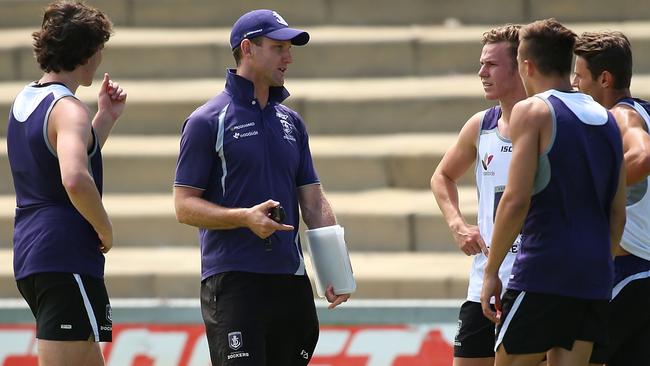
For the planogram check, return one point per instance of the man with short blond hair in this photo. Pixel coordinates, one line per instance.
(484, 140)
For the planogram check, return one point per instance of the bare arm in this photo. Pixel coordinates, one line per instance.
(192, 209)
(457, 160)
(317, 212)
(526, 123)
(316, 209)
(636, 143)
(69, 134)
(110, 105)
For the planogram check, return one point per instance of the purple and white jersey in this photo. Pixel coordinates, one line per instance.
(636, 236)
(566, 239)
(240, 155)
(50, 235)
(494, 153)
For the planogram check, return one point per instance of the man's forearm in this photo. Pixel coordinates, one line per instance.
(445, 192)
(196, 211)
(319, 215)
(86, 199)
(103, 124)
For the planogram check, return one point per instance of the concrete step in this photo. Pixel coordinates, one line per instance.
(146, 164)
(328, 106)
(334, 52)
(403, 161)
(194, 13)
(175, 272)
(375, 220)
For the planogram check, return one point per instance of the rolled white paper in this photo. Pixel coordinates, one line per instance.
(330, 260)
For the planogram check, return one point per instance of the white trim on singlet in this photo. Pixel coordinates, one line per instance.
(553, 135)
(46, 123)
(219, 147)
(619, 286)
(506, 323)
(31, 97)
(640, 110)
(582, 105)
(636, 237)
(88, 306)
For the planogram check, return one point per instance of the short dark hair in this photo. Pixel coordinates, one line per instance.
(550, 45)
(236, 53)
(607, 51)
(70, 34)
(507, 33)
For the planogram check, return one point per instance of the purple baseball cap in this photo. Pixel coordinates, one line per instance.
(263, 22)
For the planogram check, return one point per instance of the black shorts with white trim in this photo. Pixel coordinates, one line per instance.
(535, 323)
(629, 327)
(68, 306)
(475, 336)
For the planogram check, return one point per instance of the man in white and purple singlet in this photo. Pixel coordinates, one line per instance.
(603, 69)
(566, 195)
(483, 141)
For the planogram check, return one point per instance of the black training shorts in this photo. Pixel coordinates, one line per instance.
(535, 323)
(68, 306)
(475, 337)
(259, 319)
(629, 327)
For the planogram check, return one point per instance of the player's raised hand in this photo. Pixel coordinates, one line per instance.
(111, 99)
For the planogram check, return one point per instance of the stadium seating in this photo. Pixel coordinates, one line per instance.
(383, 86)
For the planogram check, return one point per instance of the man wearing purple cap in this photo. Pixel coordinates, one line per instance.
(243, 156)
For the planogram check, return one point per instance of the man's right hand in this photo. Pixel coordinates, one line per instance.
(469, 240)
(491, 289)
(106, 238)
(258, 221)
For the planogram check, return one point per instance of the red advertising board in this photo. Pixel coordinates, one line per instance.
(185, 345)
